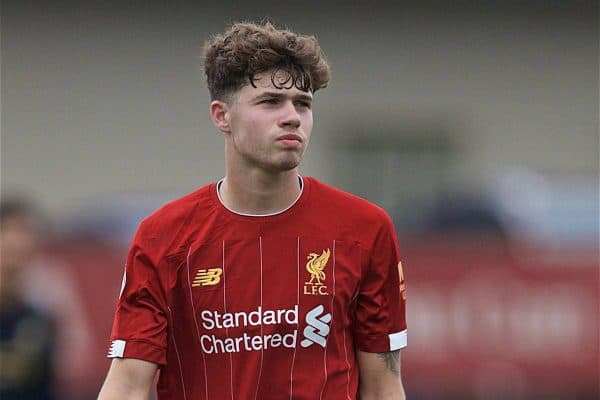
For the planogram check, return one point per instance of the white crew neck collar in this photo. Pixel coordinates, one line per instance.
(220, 182)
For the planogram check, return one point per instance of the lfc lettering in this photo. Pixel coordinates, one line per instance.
(315, 290)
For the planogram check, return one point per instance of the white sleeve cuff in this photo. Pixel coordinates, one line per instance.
(398, 340)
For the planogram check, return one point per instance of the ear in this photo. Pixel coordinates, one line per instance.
(220, 115)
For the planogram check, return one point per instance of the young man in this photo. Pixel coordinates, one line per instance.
(266, 284)
(27, 334)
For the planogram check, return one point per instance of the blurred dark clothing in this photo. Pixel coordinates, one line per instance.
(26, 338)
(461, 213)
(45, 338)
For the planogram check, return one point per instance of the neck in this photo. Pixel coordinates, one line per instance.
(260, 193)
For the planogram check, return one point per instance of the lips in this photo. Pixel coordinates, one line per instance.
(290, 136)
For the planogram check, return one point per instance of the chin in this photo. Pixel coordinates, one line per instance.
(289, 164)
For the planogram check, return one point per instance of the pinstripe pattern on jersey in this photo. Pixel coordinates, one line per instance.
(196, 320)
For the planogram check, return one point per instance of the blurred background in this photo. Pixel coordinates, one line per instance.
(475, 124)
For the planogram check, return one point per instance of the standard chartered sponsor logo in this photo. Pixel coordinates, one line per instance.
(213, 344)
(315, 332)
(214, 319)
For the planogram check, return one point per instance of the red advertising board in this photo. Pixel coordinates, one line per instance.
(486, 318)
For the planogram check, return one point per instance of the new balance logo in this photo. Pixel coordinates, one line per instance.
(317, 327)
(207, 277)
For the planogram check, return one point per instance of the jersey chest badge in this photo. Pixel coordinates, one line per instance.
(315, 266)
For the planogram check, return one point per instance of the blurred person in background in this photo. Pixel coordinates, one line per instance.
(45, 334)
(265, 284)
(27, 336)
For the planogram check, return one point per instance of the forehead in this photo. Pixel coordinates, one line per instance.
(278, 80)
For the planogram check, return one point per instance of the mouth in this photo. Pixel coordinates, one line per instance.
(290, 136)
(290, 141)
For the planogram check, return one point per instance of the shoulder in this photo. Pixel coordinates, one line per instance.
(176, 214)
(335, 201)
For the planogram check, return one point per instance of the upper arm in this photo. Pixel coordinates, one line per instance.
(380, 328)
(140, 324)
(379, 376)
(380, 312)
(128, 378)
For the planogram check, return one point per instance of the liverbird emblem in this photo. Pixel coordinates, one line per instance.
(315, 266)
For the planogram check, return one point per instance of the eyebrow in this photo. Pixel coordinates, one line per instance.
(280, 95)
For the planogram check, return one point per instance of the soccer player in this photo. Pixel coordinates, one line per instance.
(265, 284)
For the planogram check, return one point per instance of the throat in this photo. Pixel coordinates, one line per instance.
(259, 200)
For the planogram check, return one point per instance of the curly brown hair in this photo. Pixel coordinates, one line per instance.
(233, 59)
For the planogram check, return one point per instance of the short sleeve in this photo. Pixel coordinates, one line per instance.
(380, 319)
(140, 323)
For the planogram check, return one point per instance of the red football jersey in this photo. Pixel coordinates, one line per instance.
(236, 306)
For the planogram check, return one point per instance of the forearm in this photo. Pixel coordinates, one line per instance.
(390, 391)
(114, 391)
(128, 379)
(380, 377)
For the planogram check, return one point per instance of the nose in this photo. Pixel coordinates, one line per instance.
(290, 117)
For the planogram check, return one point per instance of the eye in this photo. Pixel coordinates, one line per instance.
(269, 101)
(303, 104)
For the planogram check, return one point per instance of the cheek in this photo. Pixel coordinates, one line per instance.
(250, 126)
(307, 124)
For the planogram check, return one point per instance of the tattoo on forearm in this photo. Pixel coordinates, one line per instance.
(392, 361)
